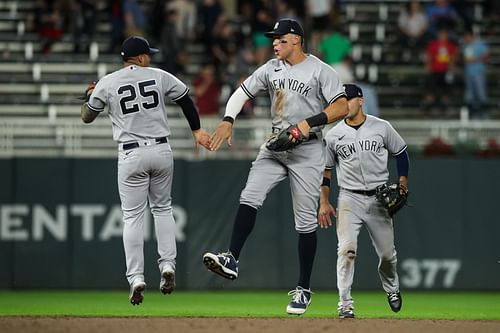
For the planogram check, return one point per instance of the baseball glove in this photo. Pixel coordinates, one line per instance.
(282, 141)
(391, 198)
(86, 96)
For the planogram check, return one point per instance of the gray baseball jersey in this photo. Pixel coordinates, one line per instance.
(296, 92)
(308, 87)
(135, 97)
(360, 158)
(132, 89)
(363, 152)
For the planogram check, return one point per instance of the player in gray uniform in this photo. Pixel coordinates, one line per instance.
(303, 91)
(135, 96)
(358, 148)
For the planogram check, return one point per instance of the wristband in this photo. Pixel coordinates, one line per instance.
(228, 119)
(326, 182)
(317, 120)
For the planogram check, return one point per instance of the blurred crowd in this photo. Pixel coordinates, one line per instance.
(231, 33)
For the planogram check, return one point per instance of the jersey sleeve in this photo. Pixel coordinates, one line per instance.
(256, 82)
(330, 150)
(173, 88)
(331, 86)
(98, 98)
(394, 142)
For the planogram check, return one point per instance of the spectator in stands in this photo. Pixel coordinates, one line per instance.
(286, 9)
(170, 44)
(491, 9)
(475, 54)
(115, 10)
(441, 55)
(413, 24)
(318, 12)
(492, 149)
(48, 23)
(334, 49)
(186, 23)
(442, 16)
(437, 147)
(263, 22)
(210, 13)
(206, 89)
(157, 17)
(225, 46)
(135, 20)
(465, 10)
(85, 23)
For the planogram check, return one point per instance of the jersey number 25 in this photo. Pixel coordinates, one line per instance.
(149, 99)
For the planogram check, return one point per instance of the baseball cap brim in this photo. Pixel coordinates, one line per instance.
(273, 34)
(153, 50)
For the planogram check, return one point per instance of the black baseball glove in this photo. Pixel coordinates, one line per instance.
(86, 96)
(391, 197)
(286, 139)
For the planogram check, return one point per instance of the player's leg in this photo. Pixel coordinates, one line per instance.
(133, 189)
(381, 230)
(264, 174)
(305, 167)
(349, 207)
(160, 201)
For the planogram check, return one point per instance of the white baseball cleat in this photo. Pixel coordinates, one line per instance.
(137, 292)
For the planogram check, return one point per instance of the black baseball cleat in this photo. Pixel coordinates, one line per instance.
(223, 264)
(301, 298)
(395, 301)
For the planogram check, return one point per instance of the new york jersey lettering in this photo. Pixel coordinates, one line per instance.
(292, 85)
(346, 150)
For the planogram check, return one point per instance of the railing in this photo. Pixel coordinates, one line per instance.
(35, 137)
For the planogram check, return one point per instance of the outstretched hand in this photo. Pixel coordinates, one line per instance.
(223, 132)
(201, 137)
(325, 211)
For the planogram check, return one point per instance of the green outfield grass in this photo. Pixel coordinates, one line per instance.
(417, 305)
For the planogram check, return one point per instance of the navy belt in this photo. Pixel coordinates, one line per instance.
(367, 193)
(132, 145)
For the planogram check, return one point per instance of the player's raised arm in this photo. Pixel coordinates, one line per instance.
(86, 114)
(224, 131)
(333, 112)
(201, 137)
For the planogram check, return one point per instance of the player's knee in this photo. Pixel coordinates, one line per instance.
(251, 200)
(161, 210)
(306, 228)
(348, 251)
(388, 256)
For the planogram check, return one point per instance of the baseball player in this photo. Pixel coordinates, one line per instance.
(304, 91)
(358, 148)
(135, 97)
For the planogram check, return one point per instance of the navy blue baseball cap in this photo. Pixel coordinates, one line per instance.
(352, 91)
(285, 26)
(136, 45)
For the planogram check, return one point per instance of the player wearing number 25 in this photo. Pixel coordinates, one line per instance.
(135, 98)
(358, 148)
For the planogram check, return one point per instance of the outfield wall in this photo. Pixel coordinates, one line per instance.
(60, 227)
